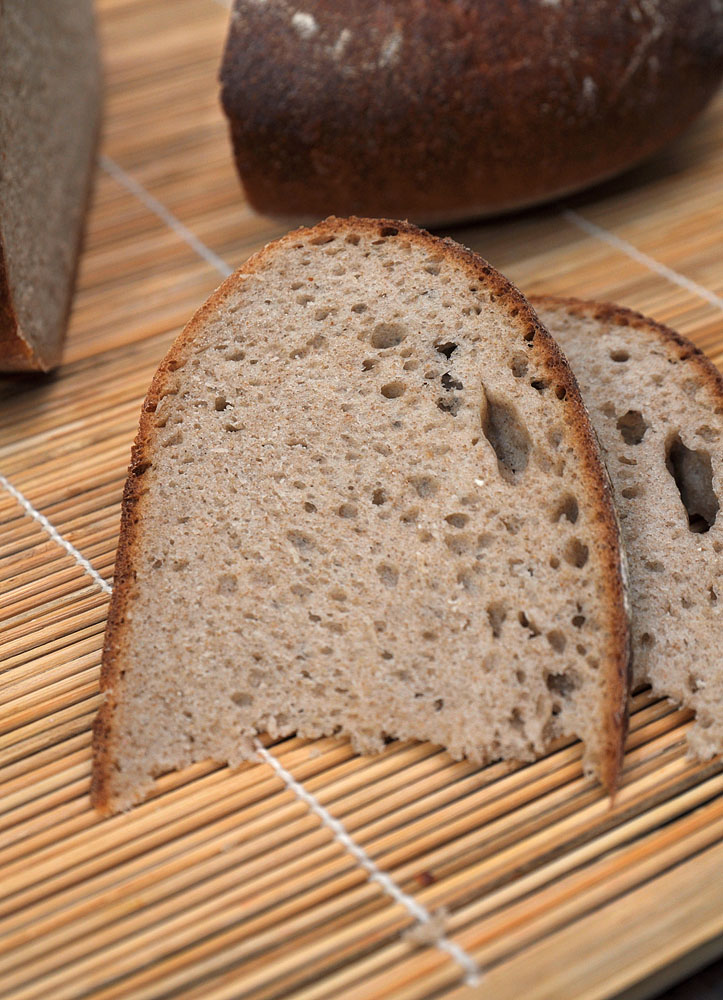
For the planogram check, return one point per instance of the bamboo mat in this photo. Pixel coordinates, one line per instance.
(445, 880)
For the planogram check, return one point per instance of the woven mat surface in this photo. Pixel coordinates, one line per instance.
(446, 879)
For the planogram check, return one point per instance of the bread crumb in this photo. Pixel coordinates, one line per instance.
(428, 933)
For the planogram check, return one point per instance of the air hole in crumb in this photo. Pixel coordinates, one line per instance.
(457, 543)
(632, 427)
(379, 497)
(554, 562)
(439, 704)
(539, 384)
(388, 574)
(409, 516)
(359, 307)
(337, 594)
(693, 475)
(353, 238)
(227, 584)
(520, 676)
(411, 365)
(386, 655)
(529, 625)
(387, 335)
(562, 684)
(449, 383)
(578, 621)
(519, 365)
(347, 510)
(299, 540)
(368, 364)
(712, 595)
(516, 720)
(504, 429)
(631, 492)
(393, 390)
(429, 636)
(560, 391)
(568, 508)
(496, 615)
(576, 553)
(242, 699)
(457, 520)
(426, 486)
(447, 348)
(450, 404)
(619, 356)
(388, 231)
(309, 507)
(647, 639)
(557, 640)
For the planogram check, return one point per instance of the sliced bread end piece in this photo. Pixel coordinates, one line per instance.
(49, 123)
(365, 498)
(657, 404)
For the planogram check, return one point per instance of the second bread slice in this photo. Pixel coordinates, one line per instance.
(365, 498)
(657, 405)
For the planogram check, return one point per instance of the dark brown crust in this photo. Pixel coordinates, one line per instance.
(439, 111)
(16, 354)
(547, 353)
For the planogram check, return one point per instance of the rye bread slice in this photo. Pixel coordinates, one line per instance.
(657, 404)
(365, 498)
(49, 123)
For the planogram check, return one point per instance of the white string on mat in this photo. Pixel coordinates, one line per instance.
(420, 913)
(592, 229)
(164, 214)
(55, 534)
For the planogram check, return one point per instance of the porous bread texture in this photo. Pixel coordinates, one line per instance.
(49, 116)
(364, 499)
(657, 405)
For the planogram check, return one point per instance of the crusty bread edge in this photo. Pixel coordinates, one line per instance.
(617, 662)
(675, 343)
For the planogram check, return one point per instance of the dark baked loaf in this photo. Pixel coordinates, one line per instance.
(49, 114)
(437, 110)
(365, 497)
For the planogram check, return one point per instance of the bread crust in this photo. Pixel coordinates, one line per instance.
(439, 111)
(679, 348)
(597, 482)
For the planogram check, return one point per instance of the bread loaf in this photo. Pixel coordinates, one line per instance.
(657, 405)
(49, 118)
(364, 498)
(437, 111)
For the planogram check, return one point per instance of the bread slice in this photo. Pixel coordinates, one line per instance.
(365, 498)
(49, 115)
(657, 404)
